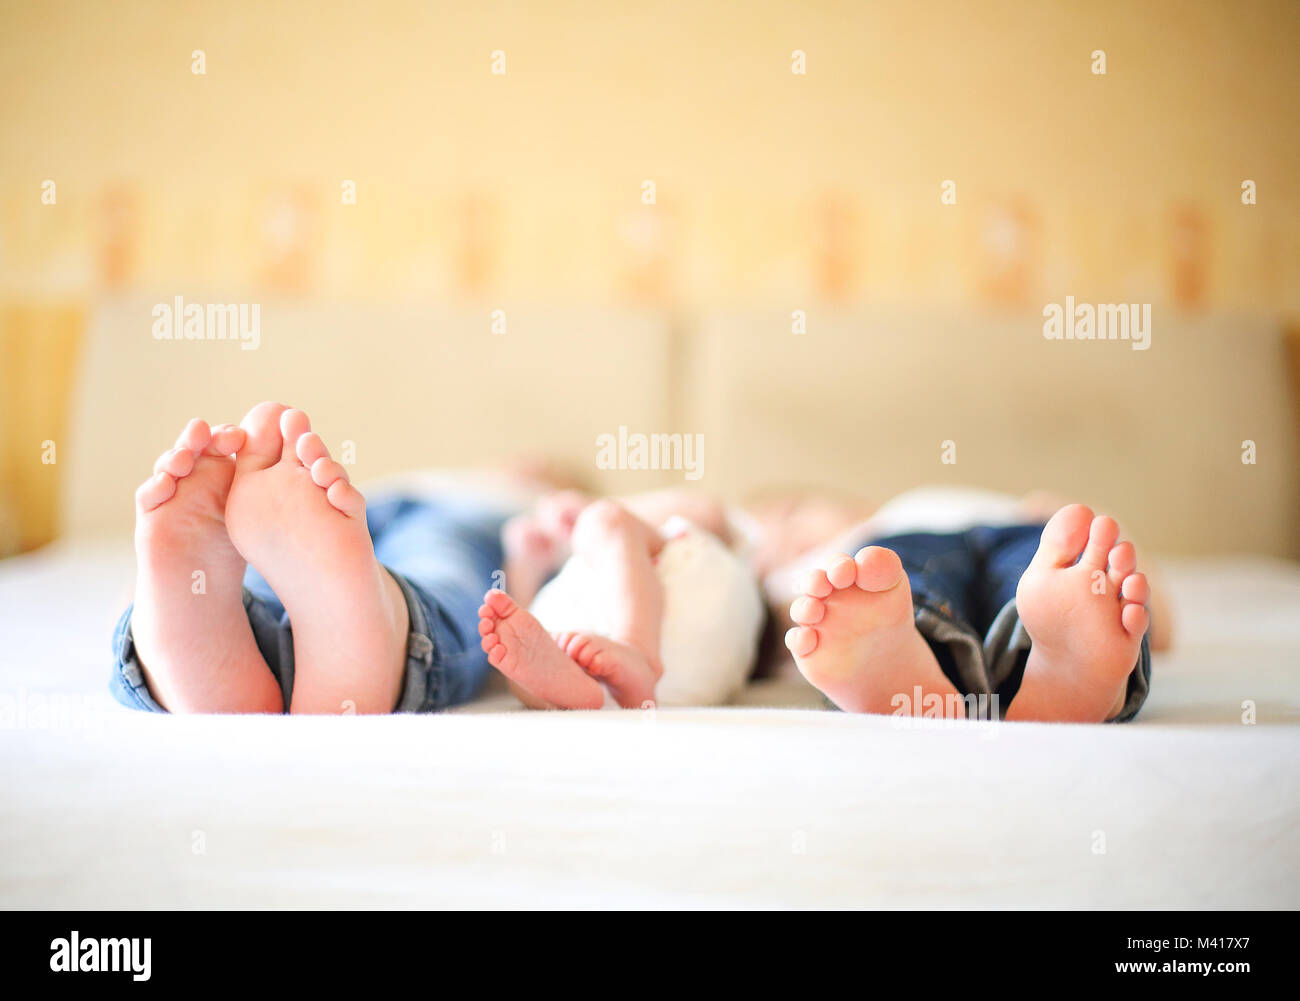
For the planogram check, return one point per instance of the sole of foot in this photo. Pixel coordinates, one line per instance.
(1083, 604)
(189, 626)
(628, 673)
(295, 517)
(856, 642)
(520, 648)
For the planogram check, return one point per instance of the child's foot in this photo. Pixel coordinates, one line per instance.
(855, 640)
(1084, 606)
(520, 648)
(629, 674)
(189, 626)
(293, 514)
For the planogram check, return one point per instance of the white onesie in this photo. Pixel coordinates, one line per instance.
(713, 614)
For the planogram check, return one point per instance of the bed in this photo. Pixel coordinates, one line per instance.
(774, 802)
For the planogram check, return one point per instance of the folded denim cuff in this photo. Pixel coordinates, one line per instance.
(127, 683)
(936, 623)
(420, 683)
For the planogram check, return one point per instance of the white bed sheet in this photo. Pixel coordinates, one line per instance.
(773, 803)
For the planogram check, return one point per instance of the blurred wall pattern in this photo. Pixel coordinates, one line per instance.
(967, 155)
(529, 183)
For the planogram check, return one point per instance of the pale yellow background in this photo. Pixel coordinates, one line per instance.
(774, 191)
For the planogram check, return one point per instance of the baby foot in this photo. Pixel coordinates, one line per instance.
(628, 673)
(189, 626)
(855, 639)
(1084, 606)
(293, 514)
(520, 648)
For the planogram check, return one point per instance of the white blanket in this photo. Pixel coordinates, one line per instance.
(771, 804)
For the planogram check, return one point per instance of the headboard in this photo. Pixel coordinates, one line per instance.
(865, 400)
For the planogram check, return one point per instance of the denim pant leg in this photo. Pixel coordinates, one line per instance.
(271, 632)
(1005, 553)
(942, 570)
(443, 555)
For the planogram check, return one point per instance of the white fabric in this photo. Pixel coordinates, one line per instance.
(772, 804)
(713, 614)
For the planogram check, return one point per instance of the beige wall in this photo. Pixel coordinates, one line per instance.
(775, 191)
(769, 184)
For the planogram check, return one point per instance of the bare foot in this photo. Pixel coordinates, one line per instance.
(1084, 606)
(189, 626)
(293, 514)
(856, 640)
(520, 648)
(628, 673)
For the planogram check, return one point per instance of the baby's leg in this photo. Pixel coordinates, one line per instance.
(621, 549)
(558, 671)
(536, 543)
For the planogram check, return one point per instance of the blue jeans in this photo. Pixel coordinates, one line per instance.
(444, 554)
(964, 596)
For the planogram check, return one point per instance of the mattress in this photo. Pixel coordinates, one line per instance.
(774, 802)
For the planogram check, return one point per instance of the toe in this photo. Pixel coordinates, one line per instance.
(1135, 619)
(293, 425)
(262, 442)
(1123, 559)
(497, 655)
(580, 650)
(499, 602)
(801, 641)
(227, 439)
(1136, 589)
(1064, 536)
(310, 448)
(154, 491)
(196, 436)
(807, 610)
(324, 472)
(485, 626)
(816, 584)
(346, 498)
(878, 568)
(842, 571)
(177, 461)
(1101, 539)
